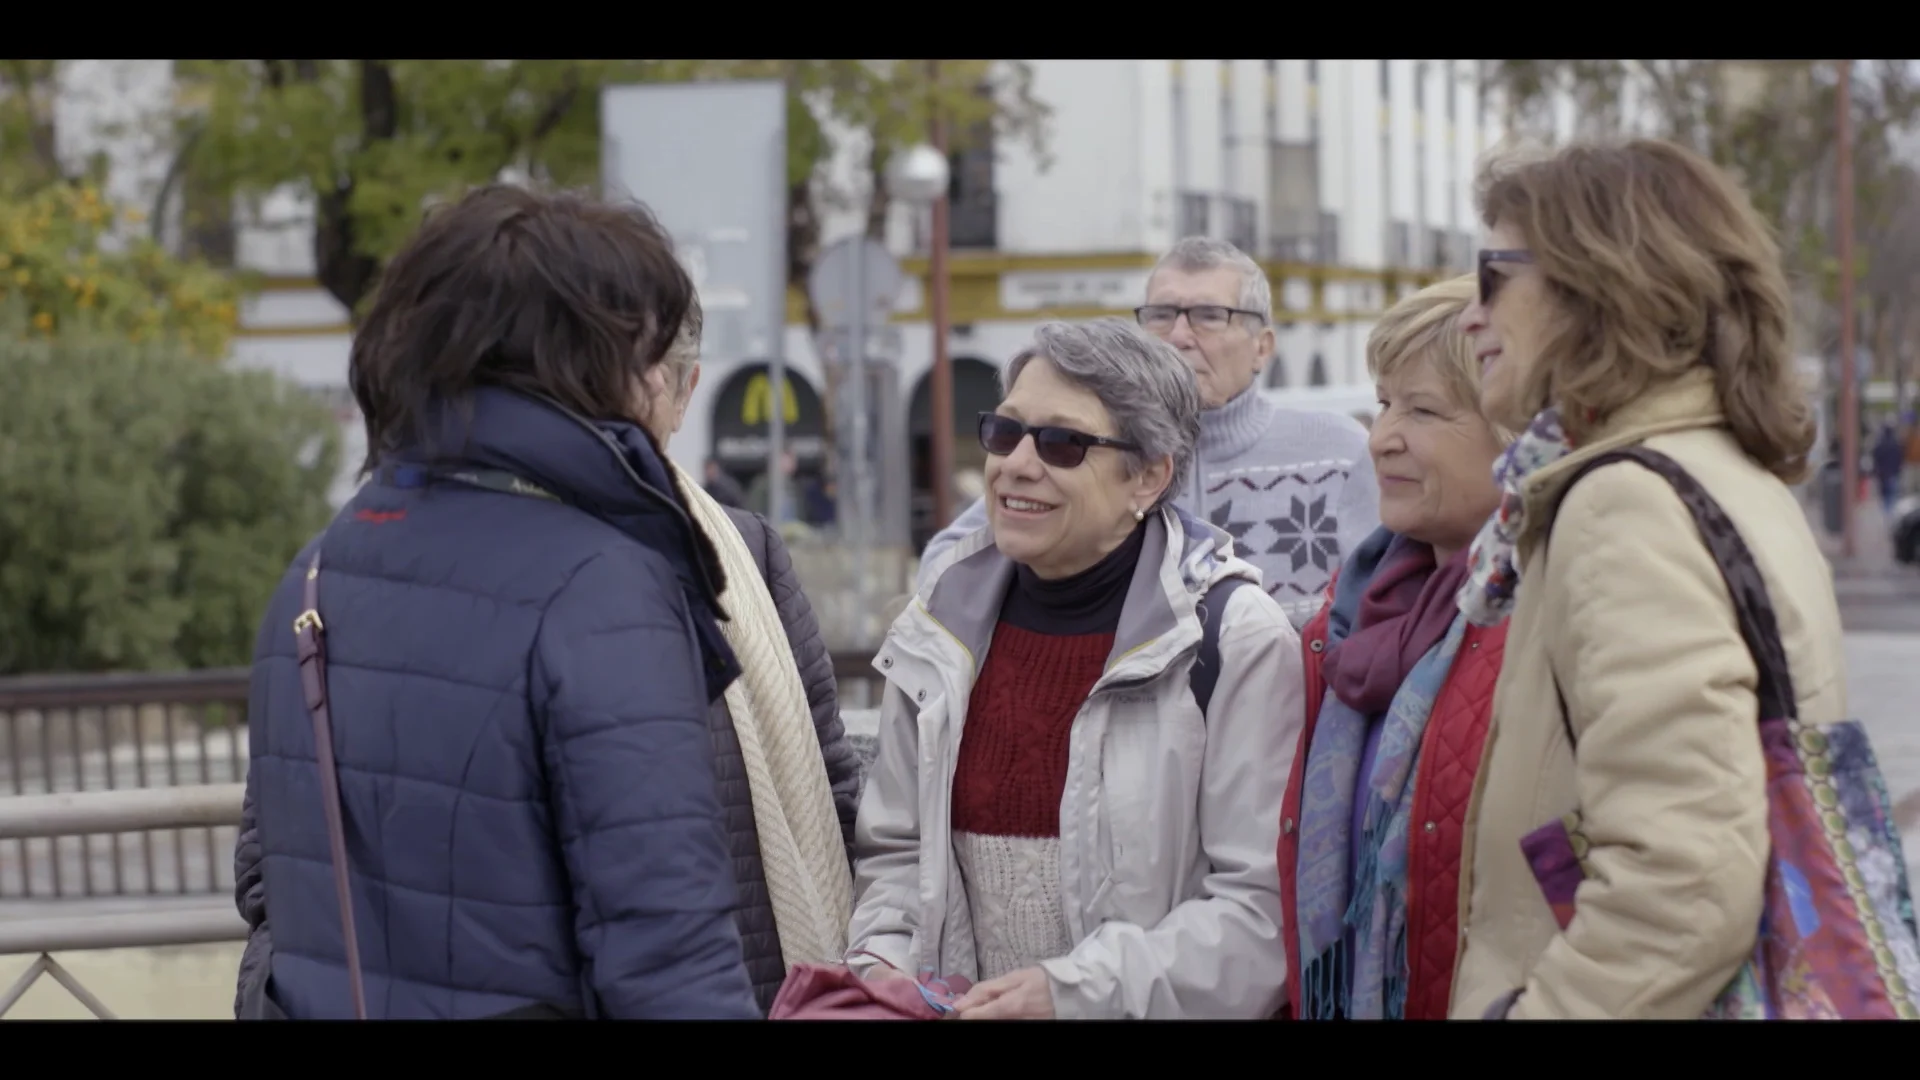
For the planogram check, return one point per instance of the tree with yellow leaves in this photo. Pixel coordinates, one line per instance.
(62, 268)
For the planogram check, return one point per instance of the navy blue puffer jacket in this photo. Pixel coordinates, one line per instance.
(520, 692)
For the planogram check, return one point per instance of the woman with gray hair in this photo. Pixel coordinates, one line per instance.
(1087, 724)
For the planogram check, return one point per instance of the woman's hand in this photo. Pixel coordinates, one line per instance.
(1024, 995)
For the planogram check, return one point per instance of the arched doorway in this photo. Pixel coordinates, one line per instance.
(1277, 372)
(742, 435)
(976, 389)
(1317, 374)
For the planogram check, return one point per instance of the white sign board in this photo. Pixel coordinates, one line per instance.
(710, 160)
(1037, 290)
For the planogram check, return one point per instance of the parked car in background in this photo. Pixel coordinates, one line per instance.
(1905, 524)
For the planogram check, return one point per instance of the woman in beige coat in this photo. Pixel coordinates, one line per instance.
(1631, 296)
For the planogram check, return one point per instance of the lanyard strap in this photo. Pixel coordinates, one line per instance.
(413, 476)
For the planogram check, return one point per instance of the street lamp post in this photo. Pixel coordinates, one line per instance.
(942, 364)
(919, 176)
(1849, 369)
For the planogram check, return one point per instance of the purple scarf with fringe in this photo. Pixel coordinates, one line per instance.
(1392, 635)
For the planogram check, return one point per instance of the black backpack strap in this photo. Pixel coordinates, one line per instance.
(1206, 664)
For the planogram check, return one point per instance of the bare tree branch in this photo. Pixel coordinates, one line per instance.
(346, 271)
(36, 112)
(557, 109)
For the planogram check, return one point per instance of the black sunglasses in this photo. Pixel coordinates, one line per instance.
(1490, 280)
(1062, 448)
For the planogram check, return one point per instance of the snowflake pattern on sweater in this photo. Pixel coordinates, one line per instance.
(1286, 521)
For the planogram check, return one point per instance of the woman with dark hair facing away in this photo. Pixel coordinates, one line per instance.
(521, 649)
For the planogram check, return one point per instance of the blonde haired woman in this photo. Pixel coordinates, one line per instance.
(1631, 297)
(789, 779)
(1398, 689)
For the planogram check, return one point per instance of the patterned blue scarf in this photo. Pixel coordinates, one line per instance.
(1354, 947)
(1493, 577)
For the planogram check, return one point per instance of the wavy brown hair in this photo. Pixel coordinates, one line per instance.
(558, 295)
(1657, 262)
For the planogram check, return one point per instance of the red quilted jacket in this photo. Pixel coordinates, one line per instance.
(1449, 758)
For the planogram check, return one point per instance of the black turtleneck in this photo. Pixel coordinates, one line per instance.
(1089, 602)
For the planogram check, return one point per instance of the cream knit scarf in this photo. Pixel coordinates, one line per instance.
(801, 849)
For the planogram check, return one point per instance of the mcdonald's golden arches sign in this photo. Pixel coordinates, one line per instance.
(743, 413)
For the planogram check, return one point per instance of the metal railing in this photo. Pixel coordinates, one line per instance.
(120, 732)
(858, 683)
(67, 734)
(97, 813)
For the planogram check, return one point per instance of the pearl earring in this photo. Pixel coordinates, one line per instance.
(1138, 514)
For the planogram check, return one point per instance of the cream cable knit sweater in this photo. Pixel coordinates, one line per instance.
(801, 848)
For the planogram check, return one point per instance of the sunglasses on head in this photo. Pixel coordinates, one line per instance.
(1491, 279)
(1062, 448)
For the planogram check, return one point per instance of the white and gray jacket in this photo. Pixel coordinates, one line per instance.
(1169, 821)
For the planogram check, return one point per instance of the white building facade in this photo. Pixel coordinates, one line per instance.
(1350, 180)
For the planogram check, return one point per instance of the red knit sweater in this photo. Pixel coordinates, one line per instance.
(1013, 752)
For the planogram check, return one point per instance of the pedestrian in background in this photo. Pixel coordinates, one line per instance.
(1630, 296)
(722, 486)
(523, 644)
(1889, 460)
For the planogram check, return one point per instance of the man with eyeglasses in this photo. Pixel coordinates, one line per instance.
(1294, 488)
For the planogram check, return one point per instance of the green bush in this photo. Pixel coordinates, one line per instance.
(149, 502)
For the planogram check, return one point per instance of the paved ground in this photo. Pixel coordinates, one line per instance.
(179, 982)
(182, 982)
(1877, 595)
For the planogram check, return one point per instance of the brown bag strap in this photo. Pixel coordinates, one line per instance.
(310, 638)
